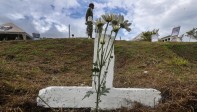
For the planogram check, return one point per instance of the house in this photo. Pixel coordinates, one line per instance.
(10, 31)
(173, 37)
(170, 38)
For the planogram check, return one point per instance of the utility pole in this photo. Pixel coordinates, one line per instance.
(69, 30)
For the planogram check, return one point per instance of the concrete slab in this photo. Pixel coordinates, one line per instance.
(71, 97)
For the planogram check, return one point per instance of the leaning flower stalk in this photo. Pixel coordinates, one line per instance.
(104, 52)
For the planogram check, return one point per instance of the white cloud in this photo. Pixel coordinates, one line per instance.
(46, 16)
(41, 26)
(66, 3)
(62, 28)
(163, 14)
(16, 16)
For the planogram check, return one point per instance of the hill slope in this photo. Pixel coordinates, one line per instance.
(28, 66)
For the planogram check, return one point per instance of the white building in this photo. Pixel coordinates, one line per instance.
(171, 39)
(10, 31)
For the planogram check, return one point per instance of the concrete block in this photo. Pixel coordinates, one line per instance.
(71, 97)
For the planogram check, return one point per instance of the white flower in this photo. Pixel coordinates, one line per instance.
(102, 40)
(120, 19)
(125, 25)
(116, 28)
(115, 20)
(99, 24)
(108, 17)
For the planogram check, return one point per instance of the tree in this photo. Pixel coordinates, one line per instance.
(192, 33)
(146, 36)
(181, 37)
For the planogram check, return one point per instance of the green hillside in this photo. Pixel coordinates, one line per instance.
(28, 66)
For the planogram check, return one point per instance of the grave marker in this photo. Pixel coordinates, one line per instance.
(71, 97)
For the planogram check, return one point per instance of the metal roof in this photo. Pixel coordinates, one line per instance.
(10, 27)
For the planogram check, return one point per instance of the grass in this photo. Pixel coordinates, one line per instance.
(28, 66)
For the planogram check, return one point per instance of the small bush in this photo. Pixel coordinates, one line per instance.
(178, 61)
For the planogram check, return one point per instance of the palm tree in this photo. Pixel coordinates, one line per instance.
(195, 33)
(181, 37)
(192, 33)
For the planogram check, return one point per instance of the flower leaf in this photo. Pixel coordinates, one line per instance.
(88, 93)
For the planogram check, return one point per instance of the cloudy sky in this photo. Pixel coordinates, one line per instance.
(51, 18)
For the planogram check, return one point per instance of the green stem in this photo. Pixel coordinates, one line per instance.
(110, 51)
(105, 36)
(106, 29)
(99, 79)
(108, 44)
(104, 76)
(98, 49)
(95, 84)
(102, 56)
(98, 93)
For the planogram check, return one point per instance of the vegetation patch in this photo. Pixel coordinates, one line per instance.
(28, 66)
